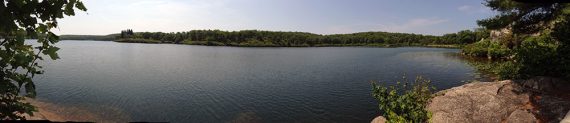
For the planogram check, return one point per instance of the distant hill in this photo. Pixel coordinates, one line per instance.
(110, 37)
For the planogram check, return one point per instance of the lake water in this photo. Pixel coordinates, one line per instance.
(202, 84)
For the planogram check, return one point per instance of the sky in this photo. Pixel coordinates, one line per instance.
(430, 17)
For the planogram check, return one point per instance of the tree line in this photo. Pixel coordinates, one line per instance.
(278, 38)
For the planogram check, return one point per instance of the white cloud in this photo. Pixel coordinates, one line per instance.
(474, 9)
(420, 22)
(464, 8)
(417, 25)
(414, 25)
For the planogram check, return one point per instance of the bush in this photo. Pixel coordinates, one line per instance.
(404, 103)
(507, 70)
(537, 56)
(477, 49)
(488, 49)
(544, 55)
(561, 34)
(497, 51)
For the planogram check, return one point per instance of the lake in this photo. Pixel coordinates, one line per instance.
(202, 84)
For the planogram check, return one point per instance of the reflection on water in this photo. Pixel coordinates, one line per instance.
(480, 75)
(182, 83)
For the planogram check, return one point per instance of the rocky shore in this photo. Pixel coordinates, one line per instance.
(60, 113)
(540, 99)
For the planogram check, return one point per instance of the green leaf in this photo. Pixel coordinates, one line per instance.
(53, 38)
(69, 8)
(80, 6)
(21, 19)
(30, 89)
(42, 28)
(52, 52)
(18, 3)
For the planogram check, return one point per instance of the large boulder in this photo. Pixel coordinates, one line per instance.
(551, 97)
(551, 108)
(566, 119)
(521, 116)
(481, 102)
(379, 119)
(540, 99)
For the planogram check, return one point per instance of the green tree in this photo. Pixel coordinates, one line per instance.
(522, 17)
(21, 19)
(275, 38)
(527, 54)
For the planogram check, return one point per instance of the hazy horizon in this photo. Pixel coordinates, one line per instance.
(314, 16)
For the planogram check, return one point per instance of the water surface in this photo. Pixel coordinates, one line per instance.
(183, 83)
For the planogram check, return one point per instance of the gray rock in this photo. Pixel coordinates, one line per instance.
(544, 98)
(545, 84)
(521, 116)
(552, 108)
(379, 119)
(551, 97)
(566, 119)
(480, 102)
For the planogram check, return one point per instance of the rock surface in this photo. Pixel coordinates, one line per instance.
(540, 99)
(379, 119)
(521, 116)
(62, 113)
(566, 119)
(546, 84)
(551, 108)
(482, 102)
(551, 97)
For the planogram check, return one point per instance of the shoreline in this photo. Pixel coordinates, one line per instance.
(60, 113)
(540, 99)
(451, 46)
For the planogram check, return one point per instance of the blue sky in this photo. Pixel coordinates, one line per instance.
(433, 17)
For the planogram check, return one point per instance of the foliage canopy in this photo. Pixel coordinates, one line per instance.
(544, 53)
(285, 39)
(21, 19)
(524, 18)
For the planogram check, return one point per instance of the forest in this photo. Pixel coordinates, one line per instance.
(89, 37)
(299, 39)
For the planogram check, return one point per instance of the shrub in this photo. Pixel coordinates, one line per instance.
(488, 49)
(537, 56)
(477, 49)
(507, 70)
(403, 102)
(561, 34)
(497, 51)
